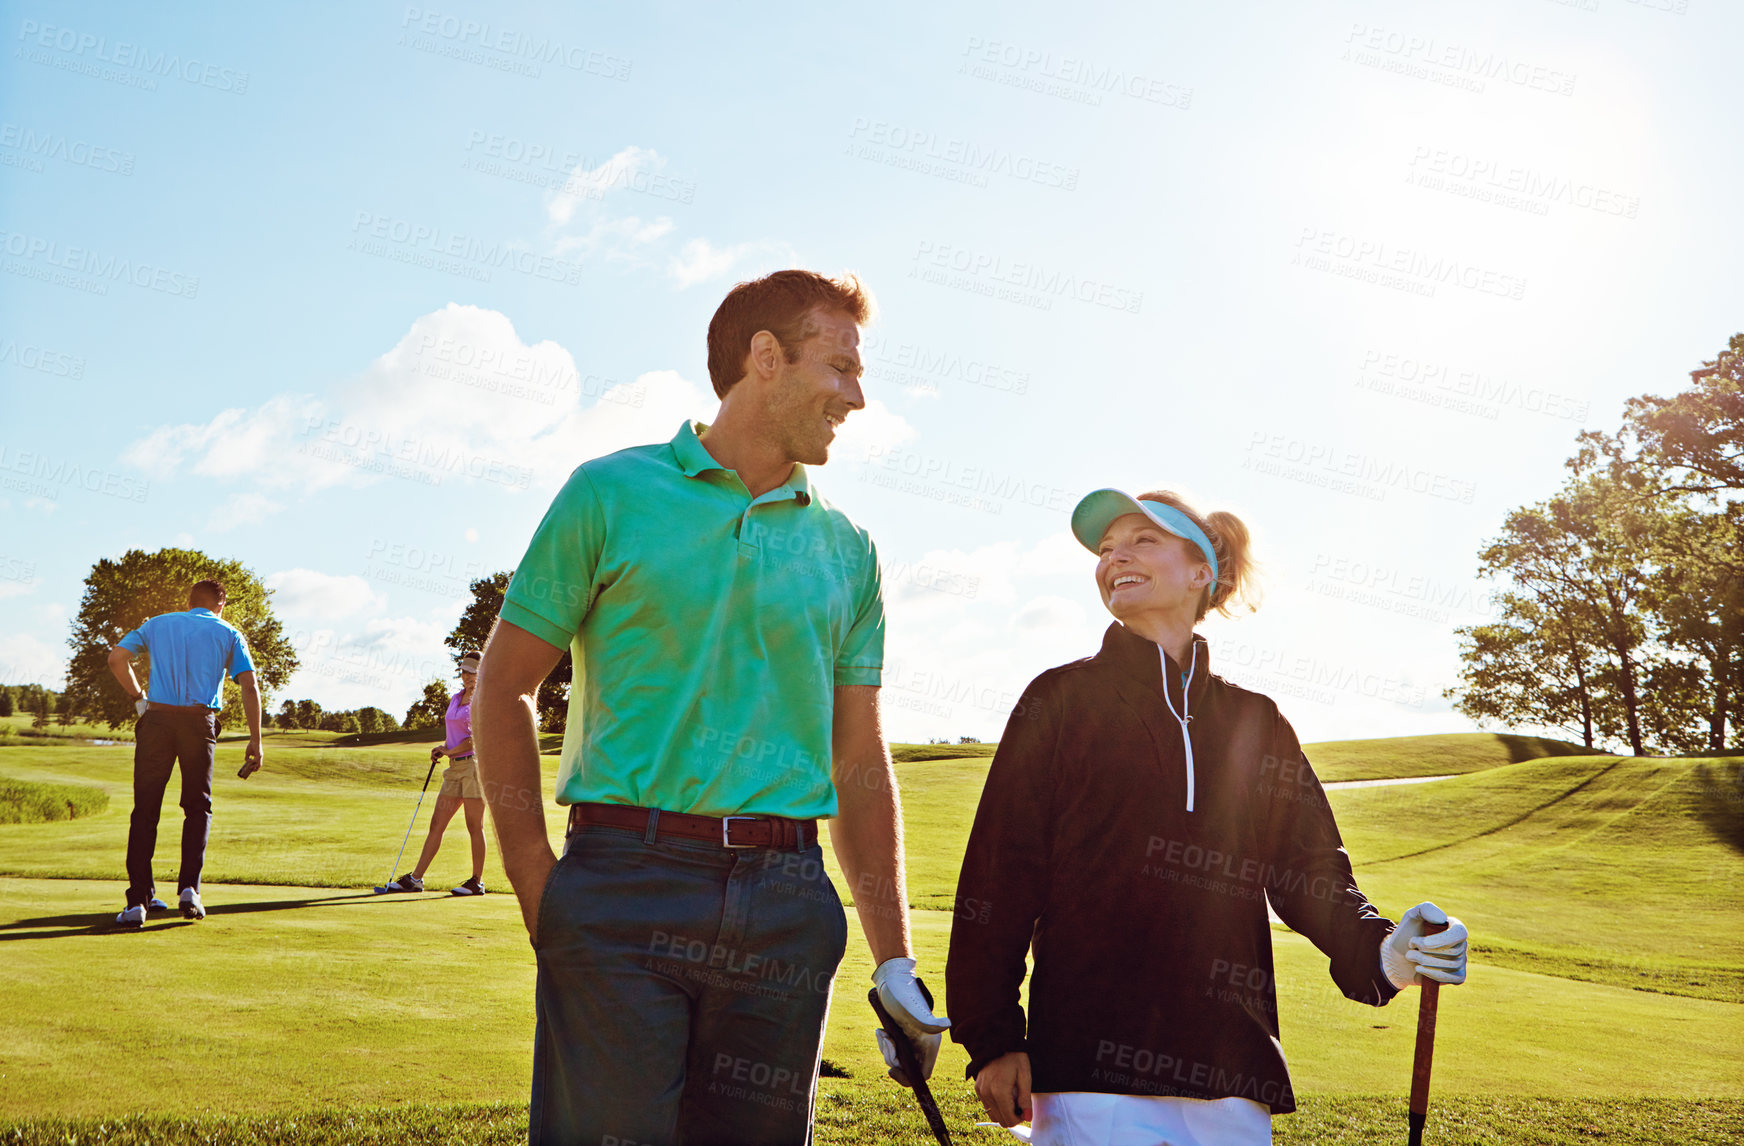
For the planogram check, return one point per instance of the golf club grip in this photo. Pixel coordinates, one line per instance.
(906, 1059)
(898, 1038)
(1424, 1060)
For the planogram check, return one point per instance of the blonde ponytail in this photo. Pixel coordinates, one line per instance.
(1237, 587)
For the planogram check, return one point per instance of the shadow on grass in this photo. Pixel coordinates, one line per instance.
(1520, 819)
(1524, 748)
(1722, 802)
(103, 923)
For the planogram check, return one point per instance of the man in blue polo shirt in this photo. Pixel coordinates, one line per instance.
(178, 723)
(726, 624)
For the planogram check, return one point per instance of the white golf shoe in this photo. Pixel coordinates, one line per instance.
(134, 916)
(192, 908)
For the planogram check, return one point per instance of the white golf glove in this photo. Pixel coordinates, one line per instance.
(1409, 957)
(139, 706)
(901, 994)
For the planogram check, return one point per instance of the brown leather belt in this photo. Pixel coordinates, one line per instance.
(724, 831)
(199, 708)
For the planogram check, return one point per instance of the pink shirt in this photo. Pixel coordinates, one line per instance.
(459, 721)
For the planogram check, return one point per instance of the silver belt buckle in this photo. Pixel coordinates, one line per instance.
(725, 822)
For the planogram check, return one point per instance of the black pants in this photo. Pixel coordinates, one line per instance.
(161, 740)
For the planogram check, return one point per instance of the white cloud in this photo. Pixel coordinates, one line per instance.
(311, 593)
(459, 398)
(871, 431)
(25, 659)
(1044, 613)
(16, 588)
(586, 184)
(701, 260)
(242, 509)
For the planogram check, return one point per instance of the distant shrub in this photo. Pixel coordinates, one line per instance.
(24, 802)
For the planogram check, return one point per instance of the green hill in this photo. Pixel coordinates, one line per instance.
(1446, 754)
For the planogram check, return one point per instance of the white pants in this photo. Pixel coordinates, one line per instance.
(1081, 1119)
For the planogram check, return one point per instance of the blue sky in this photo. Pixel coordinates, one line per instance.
(344, 291)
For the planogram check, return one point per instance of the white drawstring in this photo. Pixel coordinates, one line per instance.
(1184, 716)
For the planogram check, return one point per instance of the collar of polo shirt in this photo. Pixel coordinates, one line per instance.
(694, 459)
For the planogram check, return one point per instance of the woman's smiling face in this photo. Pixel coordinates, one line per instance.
(1143, 568)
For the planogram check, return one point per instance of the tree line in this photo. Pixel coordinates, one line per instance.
(1620, 618)
(121, 594)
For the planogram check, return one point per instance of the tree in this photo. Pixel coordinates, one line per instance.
(5, 701)
(1698, 599)
(308, 714)
(375, 720)
(1578, 566)
(287, 717)
(1533, 665)
(428, 712)
(43, 706)
(120, 595)
(474, 629)
(1694, 440)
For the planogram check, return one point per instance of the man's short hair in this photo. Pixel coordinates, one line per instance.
(206, 594)
(779, 303)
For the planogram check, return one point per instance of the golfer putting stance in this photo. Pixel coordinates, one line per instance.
(1138, 815)
(727, 630)
(460, 789)
(178, 726)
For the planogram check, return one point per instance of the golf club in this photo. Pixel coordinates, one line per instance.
(910, 1063)
(1425, 1057)
(415, 812)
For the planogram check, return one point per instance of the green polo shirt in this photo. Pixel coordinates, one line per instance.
(708, 630)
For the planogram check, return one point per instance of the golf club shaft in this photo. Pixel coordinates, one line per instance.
(415, 811)
(1424, 1059)
(910, 1062)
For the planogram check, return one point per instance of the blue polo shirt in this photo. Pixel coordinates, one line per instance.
(190, 653)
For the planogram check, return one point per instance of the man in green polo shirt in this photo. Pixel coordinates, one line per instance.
(727, 630)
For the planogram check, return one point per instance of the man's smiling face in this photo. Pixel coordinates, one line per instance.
(814, 394)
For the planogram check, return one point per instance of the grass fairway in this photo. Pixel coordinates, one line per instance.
(306, 1010)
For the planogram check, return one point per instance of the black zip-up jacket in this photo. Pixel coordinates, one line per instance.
(1152, 951)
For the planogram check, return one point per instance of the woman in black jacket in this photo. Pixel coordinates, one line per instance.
(1137, 817)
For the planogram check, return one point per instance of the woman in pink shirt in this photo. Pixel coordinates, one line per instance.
(460, 789)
